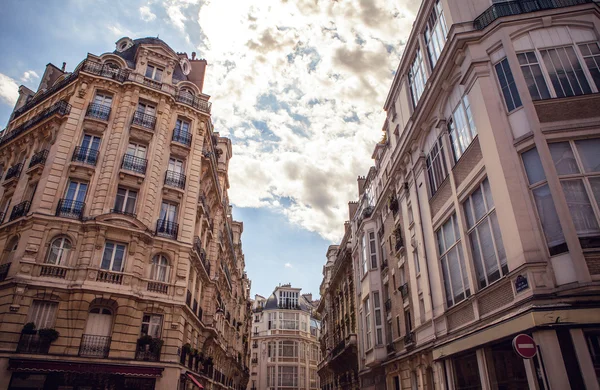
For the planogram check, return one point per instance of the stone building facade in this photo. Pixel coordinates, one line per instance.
(480, 219)
(121, 265)
(285, 348)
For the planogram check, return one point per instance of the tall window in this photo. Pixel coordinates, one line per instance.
(125, 201)
(398, 326)
(154, 72)
(272, 320)
(76, 191)
(578, 166)
(314, 384)
(435, 33)
(532, 72)
(146, 108)
(182, 128)
(373, 250)
(462, 128)
(507, 85)
(287, 376)
(364, 254)
(367, 310)
(565, 71)
(136, 150)
(160, 268)
(544, 203)
(484, 235)
(272, 349)
(43, 314)
(114, 257)
(591, 56)
(103, 99)
(288, 349)
(417, 78)
(378, 322)
(288, 320)
(175, 165)
(436, 166)
(168, 212)
(271, 378)
(88, 151)
(151, 325)
(58, 253)
(456, 283)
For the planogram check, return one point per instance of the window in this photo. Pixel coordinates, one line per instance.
(578, 166)
(160, 268)
(435, 33)
(507, 85)
(378, 323)
(10, 249)
(4, 208)
(287, 376)
(168, 212)
(271, 376)
(461, 128)
(272, 349)
(364, 254)
(407, 321)
(43, 314)
(58, 253)
(373, 250)
(288, 349)
(175, 165)
(136, 150)
(533, 76)
(456, 283)
(466, 372)
(125, 201)
(367, 311)
(114, 257)
(103, 99)
(151, 325)
(146, 108)
(288, 320)
(416, 260)
(314, 384)
(417, 78)
(398, 326)
(182, 128)
(154, 72)
(314, 353)
(591, 56)
(76, 191)
(543, 202)
(436, 168)
(565, 71)
(484, 235)
(273, 320)
(288, 299)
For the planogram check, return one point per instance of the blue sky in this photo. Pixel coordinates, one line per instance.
(297, 85)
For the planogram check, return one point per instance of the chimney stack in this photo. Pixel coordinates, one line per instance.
(361, 185)
(63, 67)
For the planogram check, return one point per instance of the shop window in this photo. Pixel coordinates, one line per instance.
(466, 372)
(505, 368)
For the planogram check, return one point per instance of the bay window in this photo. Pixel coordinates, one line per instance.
(288, 349)
(287, 376)
(373, 250)
(364, 254)
(288, 320)
(456, 282)
(461, 128)
(417, 78)
(435, 33)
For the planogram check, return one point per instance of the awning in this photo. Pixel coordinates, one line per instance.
(191, 376)
(31, 365)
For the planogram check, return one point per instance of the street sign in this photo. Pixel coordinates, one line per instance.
(524, 345)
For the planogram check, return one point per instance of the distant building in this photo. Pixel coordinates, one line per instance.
(285, 350)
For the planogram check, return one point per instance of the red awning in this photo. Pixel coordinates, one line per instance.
(28, 365)
(195, 381)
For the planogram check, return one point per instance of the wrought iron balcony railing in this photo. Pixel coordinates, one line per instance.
(94, 346)
(175, 179)
(201, 254)
(148, 353)
(85, 155)
(4, 268)
(117, 211)
(390, 348)
(106, 70)
(14, 172)
(134, 164)
(70, 208)
(404, 290)
(98, 111)
(145, 120)
(182, 137)
(518, 7)
(60, 108)
(39, 158)
(33, 343)
(20, 210)
(409, 339)
(193, 101)
(166, 228)
(388, 305)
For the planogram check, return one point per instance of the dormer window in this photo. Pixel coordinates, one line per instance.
(154, 72)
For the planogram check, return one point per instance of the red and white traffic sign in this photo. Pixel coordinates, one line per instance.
(525, 346)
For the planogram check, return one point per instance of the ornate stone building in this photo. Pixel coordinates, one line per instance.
(285, 348)
(121, 266)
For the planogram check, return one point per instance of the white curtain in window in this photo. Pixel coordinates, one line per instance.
(580, 207)
(43, 314)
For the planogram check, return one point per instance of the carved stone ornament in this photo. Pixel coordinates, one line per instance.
(92, 275)
(82, 90)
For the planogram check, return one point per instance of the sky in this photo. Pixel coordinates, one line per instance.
(298, 86)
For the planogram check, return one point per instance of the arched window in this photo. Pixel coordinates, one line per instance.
(59, 250)
(9, 251)
(160, 268)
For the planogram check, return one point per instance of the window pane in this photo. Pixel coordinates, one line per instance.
(447, 287)
(533, 166)
(449, 233)
(591, 56)
(498, 238)
(595, 184)
(489, 254)
(108, 251)
(579, 205)
(507, 85)
(589, 151)
(469, 213)
(478, 204)
(477, 260)
(118, 261)
(488, 194)
(563, 158)
(548, 216)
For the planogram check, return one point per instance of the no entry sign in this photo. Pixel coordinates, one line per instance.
(524, 346)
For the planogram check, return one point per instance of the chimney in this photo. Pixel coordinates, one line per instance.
(352, 207)
(63, 67)
(361, 185)
(193, 55)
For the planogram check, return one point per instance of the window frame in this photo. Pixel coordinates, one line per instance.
(417, 78)
(368, 327)
(153, 73)
(434, 38)
(111, 263)
(510, 90)
(377, 313)
(126, 199)
(468, 129)
(435, 162)
(43, 311)
(443, 255)
(149, 324)
(372, 250)
(63, 257)
(160, 269)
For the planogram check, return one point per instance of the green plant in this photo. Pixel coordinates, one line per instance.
(194, 352)
(48, 334)
(144, 340)
(29, 328)
(156, 344)
(186, 348)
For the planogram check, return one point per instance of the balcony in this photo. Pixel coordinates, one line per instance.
(60, 108)
(134, 164)
(94, 346)
(175, 179)
(39, 158)
(188, 299)
(518, 7)
(149, 352)
(98, 111)
(20, 210)
(53, 271)
(158, 287)
(388, 305)
(194, 102)
(152, 83)
(390, 348)
(4, 268)
(14, 172)
(182, 137)
(106, 70)
(409, 339)
(384, 264)
(109, 277)
(70, 208)
(255, 345)
(201, 254)
(404, 290)
(33, 343)
(144, 120)
(168, 229)
(87, 156)
(254, 360)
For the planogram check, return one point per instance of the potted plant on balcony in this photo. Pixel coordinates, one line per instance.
(186, 349)
(48, 334)
(29, 328)
(156, 344)
(144, 342)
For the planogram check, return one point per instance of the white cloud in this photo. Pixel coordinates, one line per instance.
(29, 75)
(146, 14)
(288, 265)
(9, 90)
(176, 16)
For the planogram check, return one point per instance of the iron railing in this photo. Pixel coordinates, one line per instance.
(42, 96)
(4, 268)
(166, 228)
(409, 338)
(94, 346)
(85, 155)
(98, 111)
(182, 137)
(39, 158)
(60, 108)
(106, 70)
(14, 172)
(135, 164)
(117, 211)
(147, 353)
(404, 290)
(188, 298)
(518, 7)
(109, 277)
(33, 343)
(193, 101)
(201, 254)
(390, 348)
(388, 305)
(175, 179)
(384, 264)
(70, 208)
(20, 210)
(159, 287)
(145, 120)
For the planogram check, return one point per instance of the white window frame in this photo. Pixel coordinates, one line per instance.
(372, 249)
(417, 78)
(160, 269)
(155, 73)
(508, 86)
(364, 256)
(111, 265)
(445, 250)
(435, 33)
(462, 128)
(287, 349)
(289, 378)
(368, 328)
(103, 99)
(288, 320)
(62, 251)
(152, 324)
(43, 314)
(128, 197)
(136, 150)
(437, 171)
(378, 319)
